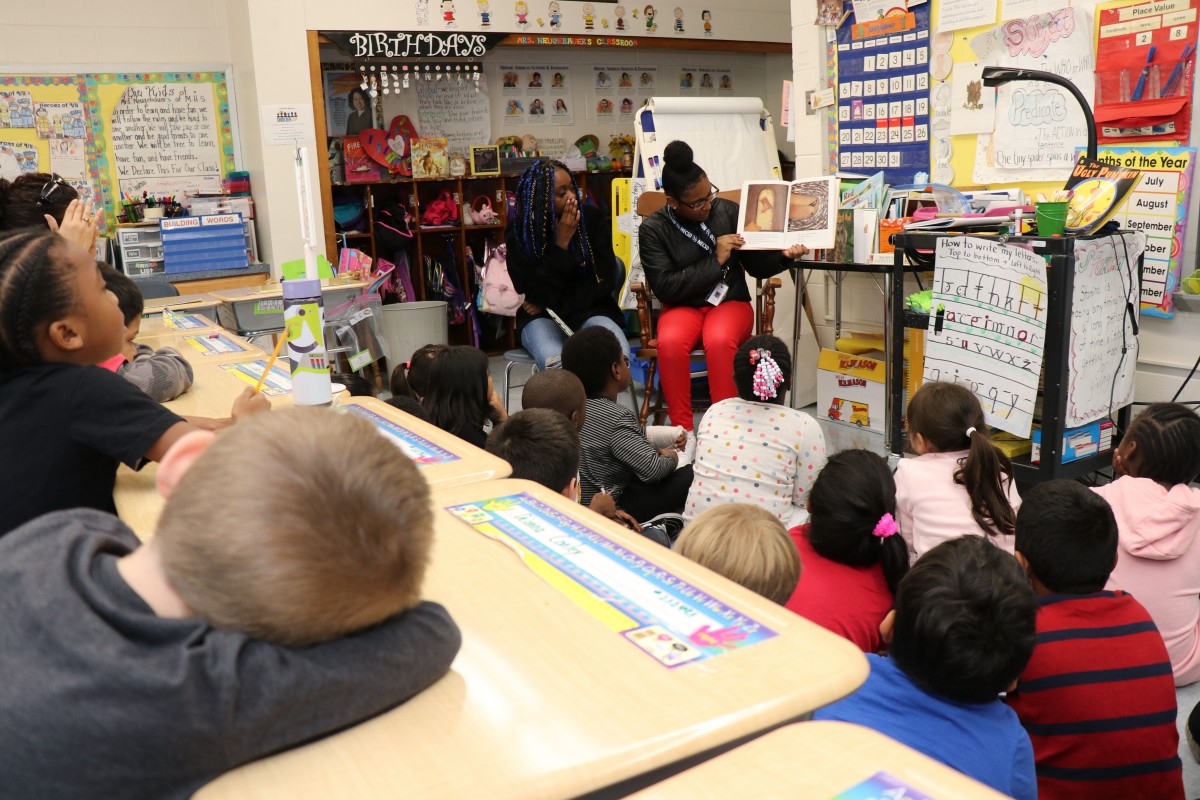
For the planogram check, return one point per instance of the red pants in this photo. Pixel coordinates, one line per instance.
(722, 329)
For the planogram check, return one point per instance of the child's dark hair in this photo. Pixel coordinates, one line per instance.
(541, 445)
(557, 389)
(943, 413)
(457, 395)
(411, 378)
(590, 353)
(21, 204)
(1167, 436)
(35, 289)
(965, 621)
(679, 171)
(535, 222)
(1068, 534)
(356, 385)
(744, 367)
(850, 497)
(410, 405)
(129, 296)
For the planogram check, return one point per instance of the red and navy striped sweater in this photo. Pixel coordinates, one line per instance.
(1098, 701)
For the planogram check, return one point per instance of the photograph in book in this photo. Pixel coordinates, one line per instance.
(777, 214)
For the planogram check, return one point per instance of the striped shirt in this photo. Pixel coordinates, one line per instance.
(1098, 701)
(163, 374)
(614, 453)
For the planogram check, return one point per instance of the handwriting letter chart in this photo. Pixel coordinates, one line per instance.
(987, 329)
(1100, 377)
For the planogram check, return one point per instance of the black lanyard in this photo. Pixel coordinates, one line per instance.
(708, 247)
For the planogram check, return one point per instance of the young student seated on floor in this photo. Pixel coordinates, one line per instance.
(1097, 697)
(853, 555)
(746, 544)
(560, 390)
(959, 483)
(409, 381)
(1158, 522)
(616, 457)
(459, 396)
(963, 630)
(163, 374)
(67, 423)
(752, 448)
(256, 619)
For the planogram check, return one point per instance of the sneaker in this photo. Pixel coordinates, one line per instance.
(671, 524)
(657, 535)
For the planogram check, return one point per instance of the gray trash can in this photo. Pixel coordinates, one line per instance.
(407, 326)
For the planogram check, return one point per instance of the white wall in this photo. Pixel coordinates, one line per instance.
(1168, 347)
(98, 34)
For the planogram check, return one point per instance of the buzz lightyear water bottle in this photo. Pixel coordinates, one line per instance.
(304, 318)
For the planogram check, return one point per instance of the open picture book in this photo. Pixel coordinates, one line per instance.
(777, 214)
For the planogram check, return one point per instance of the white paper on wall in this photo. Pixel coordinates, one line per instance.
(988, 331)
(1038, 125)
(455, 110)
(972, 105)
(1100, 377)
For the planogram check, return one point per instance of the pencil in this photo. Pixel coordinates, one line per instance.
(278, 346)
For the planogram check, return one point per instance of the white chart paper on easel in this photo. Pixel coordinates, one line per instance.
(1100, 379)
(988, 331)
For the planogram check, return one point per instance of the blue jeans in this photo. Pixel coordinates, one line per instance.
(544, 339)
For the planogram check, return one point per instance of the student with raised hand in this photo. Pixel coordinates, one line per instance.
(67, 423)
(1158, 520)
(854, 557)
(692, 256)
(1097, 697)
(278, 601)
(37, 199)
(959, 484)
(961, 634)
(560, 257)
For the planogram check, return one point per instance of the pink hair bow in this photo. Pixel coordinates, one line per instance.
(886, 527)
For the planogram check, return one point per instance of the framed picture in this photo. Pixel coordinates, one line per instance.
(485, 160)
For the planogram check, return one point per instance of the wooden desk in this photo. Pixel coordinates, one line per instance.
(181, 341)
(260, 310)
(202, 303)
(816, 760)
(445, 460)
(154, 325)
(546, 700)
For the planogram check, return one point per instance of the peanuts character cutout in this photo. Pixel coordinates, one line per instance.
(706, 15)
(522, 10)
(649, 13)
(619, 13)
(555, 15)
(422, 12)
(678, 19)
(485, 14)
(589, 17)
(448, 13)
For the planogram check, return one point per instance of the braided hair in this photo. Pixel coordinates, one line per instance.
(35, 288)
(1167, 436)
(536, 220)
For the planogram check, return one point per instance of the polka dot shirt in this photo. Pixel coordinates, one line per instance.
(759, 453)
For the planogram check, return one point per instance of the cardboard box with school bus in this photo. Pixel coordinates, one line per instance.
(850, 389)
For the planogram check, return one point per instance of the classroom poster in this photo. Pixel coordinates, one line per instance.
(988, 329)
(457, 110)
(1158, 208)
(972, 106)
(53, 120)
(16, 110)
(1038, 125)
(343, 90)
(68, 157)
(1100, 376)
(17, 159)
(883, 95)
(664, 616)
(955, 15)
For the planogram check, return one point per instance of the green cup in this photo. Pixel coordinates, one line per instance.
(1051, 218)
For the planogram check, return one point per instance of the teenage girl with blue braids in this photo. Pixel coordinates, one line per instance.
(560, 257)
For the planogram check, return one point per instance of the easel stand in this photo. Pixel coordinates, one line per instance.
(1060, 280)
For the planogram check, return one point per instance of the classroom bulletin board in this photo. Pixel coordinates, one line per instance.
(112, 132)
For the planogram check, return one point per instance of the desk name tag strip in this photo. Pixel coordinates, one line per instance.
(422, 451)
(666, 617)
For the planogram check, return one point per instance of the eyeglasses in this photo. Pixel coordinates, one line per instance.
(50, 188)
(699, 204)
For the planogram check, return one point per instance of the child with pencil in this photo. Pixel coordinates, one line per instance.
(67, 423)
(251, 622)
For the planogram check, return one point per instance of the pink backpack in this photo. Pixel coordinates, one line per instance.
(497, 292)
